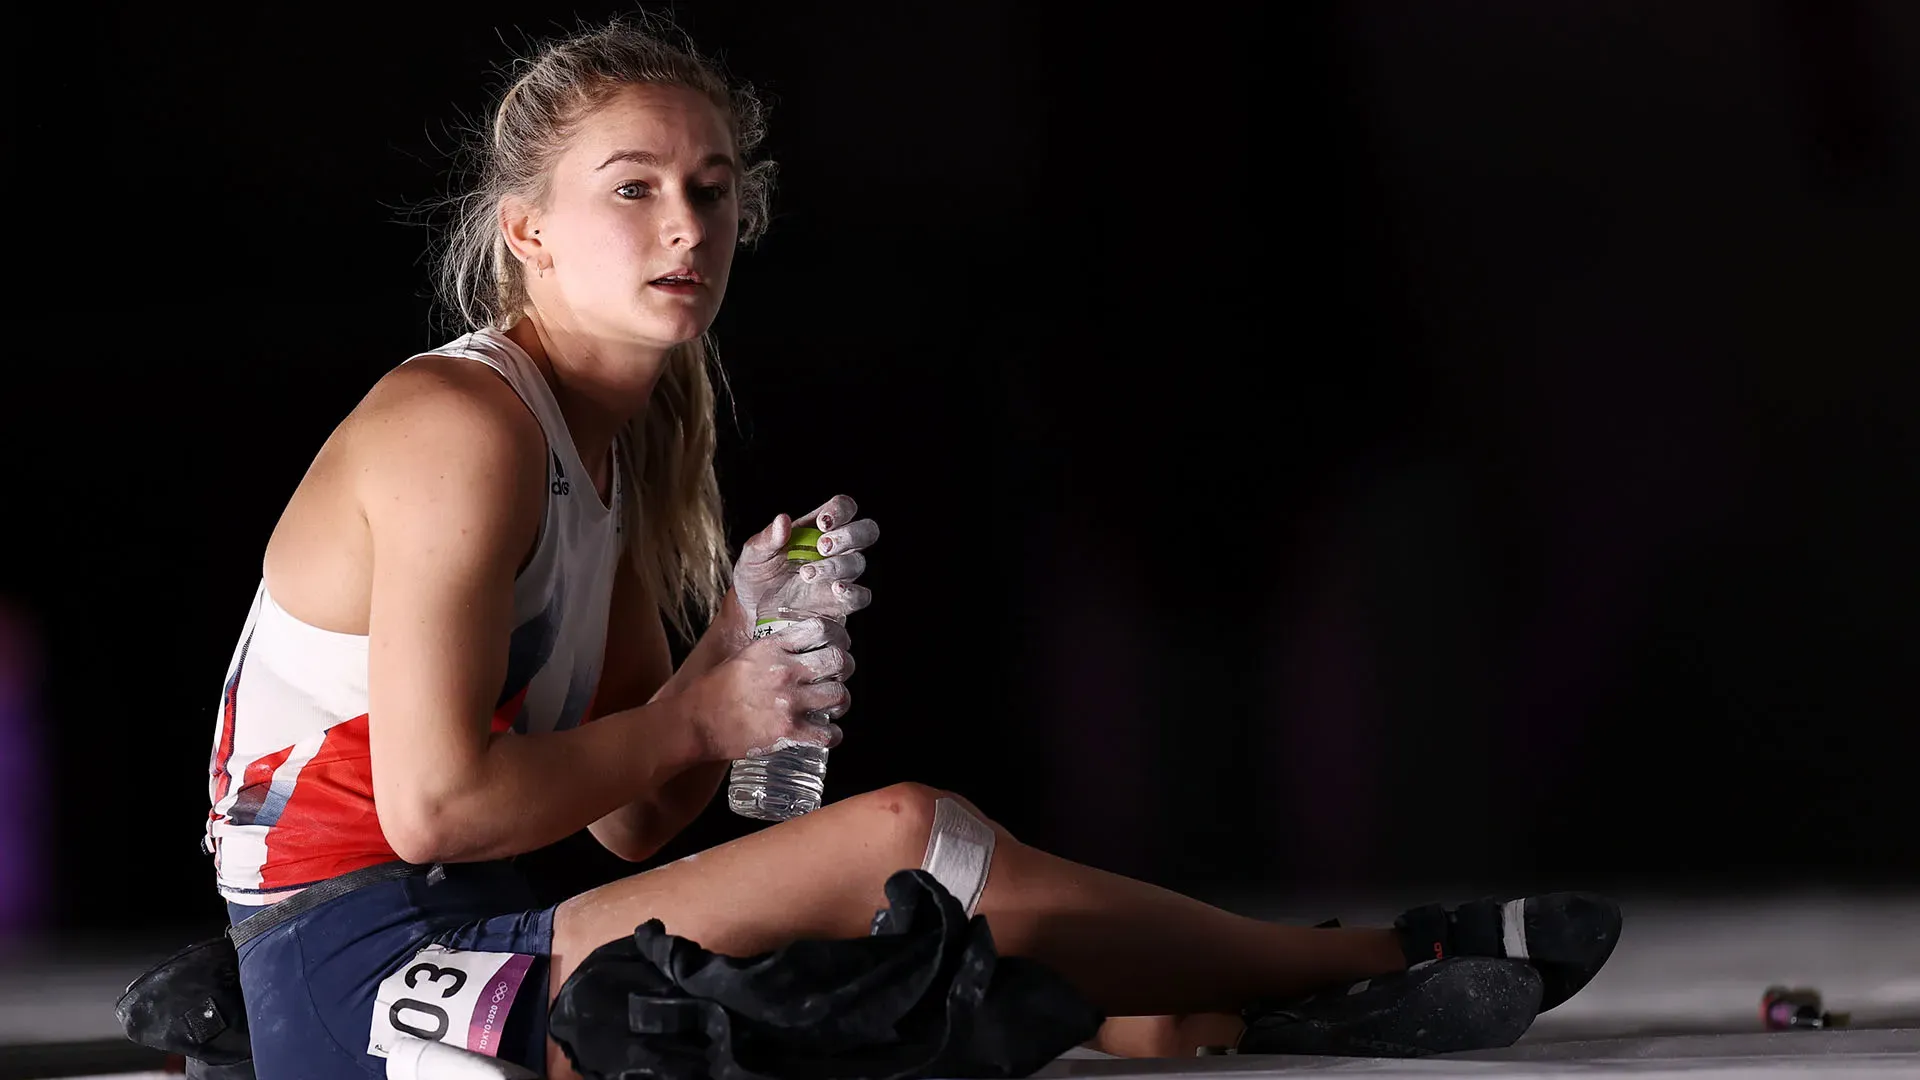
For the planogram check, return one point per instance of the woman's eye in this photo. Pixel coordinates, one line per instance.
(631, 190)
(713, 192)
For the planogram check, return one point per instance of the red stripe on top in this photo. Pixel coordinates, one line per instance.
(504, 715)
(259, 775)
(222, 779)
(329, 826)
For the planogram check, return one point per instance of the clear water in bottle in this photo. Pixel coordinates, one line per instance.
(786, 783)
(782, 785)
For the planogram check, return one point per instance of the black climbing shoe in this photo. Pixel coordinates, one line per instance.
(1438, 1007)
(1566, 936)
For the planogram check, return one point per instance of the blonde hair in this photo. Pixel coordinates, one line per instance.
(675, 533)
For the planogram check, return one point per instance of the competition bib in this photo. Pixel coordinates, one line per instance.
(448, 996)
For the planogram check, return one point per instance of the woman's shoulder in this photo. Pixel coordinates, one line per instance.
(437, 446)
(447, 416)
(446, 396)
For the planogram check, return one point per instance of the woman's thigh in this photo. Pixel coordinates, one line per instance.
(290, 1032)
(821, 875)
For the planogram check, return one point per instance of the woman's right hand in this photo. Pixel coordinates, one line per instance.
(789, 685)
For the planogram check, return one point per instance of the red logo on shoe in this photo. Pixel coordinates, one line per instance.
(1436, 951)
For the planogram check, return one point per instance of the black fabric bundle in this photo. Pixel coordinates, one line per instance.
(190, 1004)
(923, 995)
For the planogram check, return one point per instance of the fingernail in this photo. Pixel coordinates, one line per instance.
(826, 544)
(826, 521)
(808, 573)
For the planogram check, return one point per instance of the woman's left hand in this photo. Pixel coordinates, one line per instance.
(764, 580)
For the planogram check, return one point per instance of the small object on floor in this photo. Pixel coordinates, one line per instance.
(1784, 1009)
(1438, 1007)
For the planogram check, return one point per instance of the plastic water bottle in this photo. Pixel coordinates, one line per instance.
(789, 781)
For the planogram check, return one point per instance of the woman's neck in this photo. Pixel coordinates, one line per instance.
(599, 385)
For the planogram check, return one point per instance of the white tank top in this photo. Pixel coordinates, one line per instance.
(291, 777)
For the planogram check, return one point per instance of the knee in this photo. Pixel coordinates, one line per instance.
(967, 804)
(905, 812)
(944, 834)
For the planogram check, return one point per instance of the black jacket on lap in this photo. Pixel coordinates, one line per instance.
(924, 994)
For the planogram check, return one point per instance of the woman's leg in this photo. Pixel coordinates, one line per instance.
(1131, 948)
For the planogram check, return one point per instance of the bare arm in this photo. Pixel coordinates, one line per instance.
(639, 671)
(451, 481)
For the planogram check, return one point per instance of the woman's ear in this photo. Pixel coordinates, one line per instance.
(520, 224)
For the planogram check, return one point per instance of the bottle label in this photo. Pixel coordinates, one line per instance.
(767, 626)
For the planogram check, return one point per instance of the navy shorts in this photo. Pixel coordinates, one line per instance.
(310, 982)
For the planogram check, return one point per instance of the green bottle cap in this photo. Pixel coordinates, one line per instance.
(804, 544)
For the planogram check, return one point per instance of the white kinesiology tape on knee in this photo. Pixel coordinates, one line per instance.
(959, 852)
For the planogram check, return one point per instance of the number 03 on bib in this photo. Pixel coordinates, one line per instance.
(448, 996)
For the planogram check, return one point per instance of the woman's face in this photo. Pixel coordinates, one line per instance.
(645, 189)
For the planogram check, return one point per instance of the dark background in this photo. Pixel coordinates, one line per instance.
(1389, 445)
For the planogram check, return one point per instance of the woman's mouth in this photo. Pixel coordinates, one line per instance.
(676, 285)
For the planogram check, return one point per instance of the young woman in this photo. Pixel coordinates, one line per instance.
(457, 651)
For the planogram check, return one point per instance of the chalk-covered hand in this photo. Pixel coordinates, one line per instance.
(764, 580)
(783, 690)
